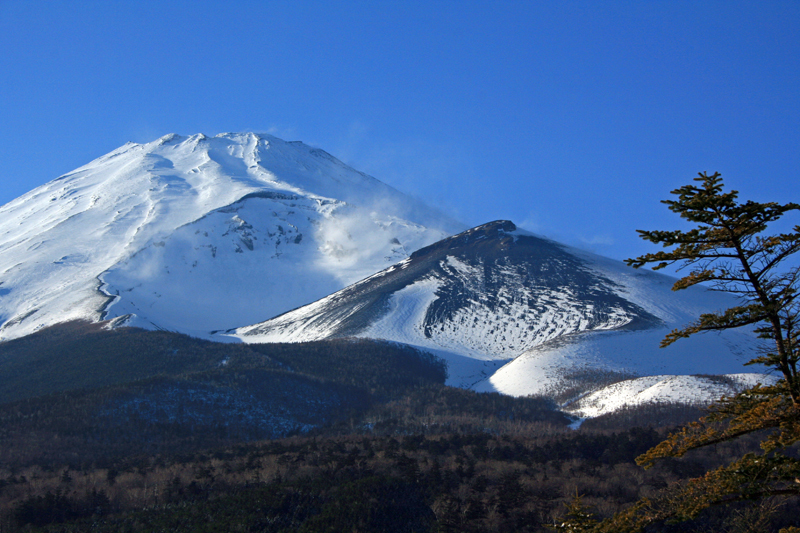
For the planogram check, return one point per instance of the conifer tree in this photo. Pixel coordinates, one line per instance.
(728, 251)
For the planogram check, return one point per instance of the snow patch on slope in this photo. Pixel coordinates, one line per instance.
(689, 390)
(580, 359)
(402, 321)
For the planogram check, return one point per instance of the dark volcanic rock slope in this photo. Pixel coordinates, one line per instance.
(490, 293)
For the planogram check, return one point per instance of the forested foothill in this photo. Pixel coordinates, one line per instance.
(156, 431)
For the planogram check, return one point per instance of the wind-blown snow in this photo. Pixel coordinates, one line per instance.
(198, 233)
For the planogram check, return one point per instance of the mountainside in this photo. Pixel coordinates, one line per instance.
(203, 235)
(519, 314)
(197, 233)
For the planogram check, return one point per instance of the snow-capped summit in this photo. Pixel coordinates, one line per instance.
(196, 233)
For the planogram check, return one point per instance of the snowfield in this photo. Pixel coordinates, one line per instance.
(199, 233)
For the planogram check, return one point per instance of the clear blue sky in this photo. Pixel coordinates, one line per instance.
(572, 119)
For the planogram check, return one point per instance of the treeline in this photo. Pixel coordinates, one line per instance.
(80, 355)
(656, 414)
(432, 410)
(383, 369)
(179, 416)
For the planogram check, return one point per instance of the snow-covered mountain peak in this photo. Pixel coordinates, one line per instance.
(199, 234)
(520, 314)
(195, 233)
(499, 233)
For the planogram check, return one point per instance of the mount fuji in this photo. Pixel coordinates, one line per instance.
(244, 237)
(197, 233)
